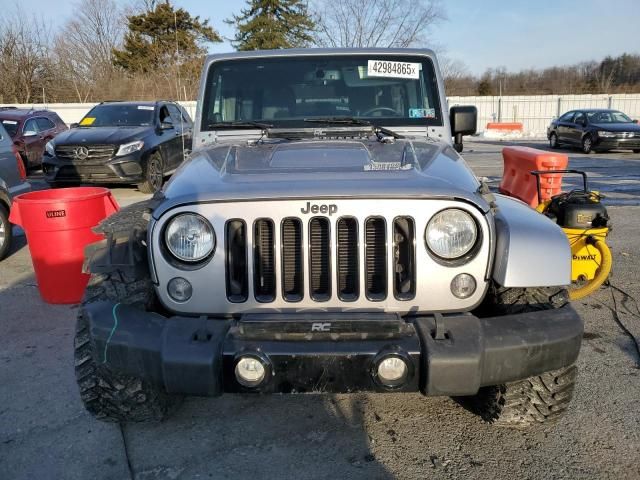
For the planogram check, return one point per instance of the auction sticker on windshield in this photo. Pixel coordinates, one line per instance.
(386, 68)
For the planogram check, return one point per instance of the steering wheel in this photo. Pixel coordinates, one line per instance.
(371, 111)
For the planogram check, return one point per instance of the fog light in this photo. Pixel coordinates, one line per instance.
(179, 289)
(392, 371)
(463, 285)
(250, 371)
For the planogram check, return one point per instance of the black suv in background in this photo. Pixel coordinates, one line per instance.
(595, 129)
(121, 142)
(30, 130)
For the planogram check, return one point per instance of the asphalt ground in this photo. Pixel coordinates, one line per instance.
(45, 432)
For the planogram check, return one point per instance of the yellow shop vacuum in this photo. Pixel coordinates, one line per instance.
(585, 221)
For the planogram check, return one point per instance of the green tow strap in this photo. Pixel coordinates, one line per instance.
(113, 330)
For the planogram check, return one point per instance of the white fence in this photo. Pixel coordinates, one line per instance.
(73, 112)
(534, 111)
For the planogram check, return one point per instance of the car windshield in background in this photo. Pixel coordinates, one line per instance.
(11, 126)
(284, 92)
(608, 117)
(118, 116)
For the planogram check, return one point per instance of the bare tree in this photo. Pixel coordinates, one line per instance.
(25, 67)
(85, 46)
(456, 75)
(375, 23)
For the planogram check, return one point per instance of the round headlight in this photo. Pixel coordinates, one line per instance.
(190, 237)
(451, 233)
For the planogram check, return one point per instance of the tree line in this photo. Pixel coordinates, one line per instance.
(619, 74)
(151, 49)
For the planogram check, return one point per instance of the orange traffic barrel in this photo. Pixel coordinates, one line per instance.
(58, 224)
(517, 180)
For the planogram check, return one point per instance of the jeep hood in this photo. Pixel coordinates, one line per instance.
(101, 135)
(321, 169)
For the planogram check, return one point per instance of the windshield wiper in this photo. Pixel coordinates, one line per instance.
(240, 124)
(354, 121)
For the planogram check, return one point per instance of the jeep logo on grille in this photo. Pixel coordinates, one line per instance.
(330, 209)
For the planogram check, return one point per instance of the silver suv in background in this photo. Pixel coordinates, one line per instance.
(12, 182)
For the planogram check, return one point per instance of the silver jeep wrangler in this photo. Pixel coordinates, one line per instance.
(326, 236)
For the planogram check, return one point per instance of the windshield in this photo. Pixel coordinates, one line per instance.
(608, 117)
(11, 126)
(283, 92)
(115, 115)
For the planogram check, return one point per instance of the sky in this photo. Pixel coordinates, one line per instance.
(515, 34)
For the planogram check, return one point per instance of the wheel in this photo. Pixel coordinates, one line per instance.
(539, 399)
(535, 400)
(5, 232)
(553, 141)
(636, 150)
(154, 175)
(109, 395)
(587, 144)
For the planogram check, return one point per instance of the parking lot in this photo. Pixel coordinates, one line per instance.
(46, 433)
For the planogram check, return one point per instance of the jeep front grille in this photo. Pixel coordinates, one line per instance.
(292, 273)
(237, 280)
(376, 258)
(320, 249)
(348, 265)
(320, 259)
(82, 153)
(264, 278)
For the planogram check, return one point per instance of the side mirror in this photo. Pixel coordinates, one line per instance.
(166, 125)
(29, 133)
(635, 121)
(73, 125)
(464, 121)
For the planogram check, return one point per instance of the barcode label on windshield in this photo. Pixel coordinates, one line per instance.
(385, 68)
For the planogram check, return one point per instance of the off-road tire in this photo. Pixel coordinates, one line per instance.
(109, 395)
(153, 168)
(5, 227)
(535, 400)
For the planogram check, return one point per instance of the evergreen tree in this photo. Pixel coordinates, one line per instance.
(161, 37)
(272, 24)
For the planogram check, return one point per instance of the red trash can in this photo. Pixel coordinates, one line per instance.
(58, 224)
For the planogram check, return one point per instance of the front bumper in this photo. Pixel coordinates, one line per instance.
(333, 352)
(125, 169)
(604, 143)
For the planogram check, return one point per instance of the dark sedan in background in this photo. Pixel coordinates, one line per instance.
(30, 130)
(121, 142)
(595, 130)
